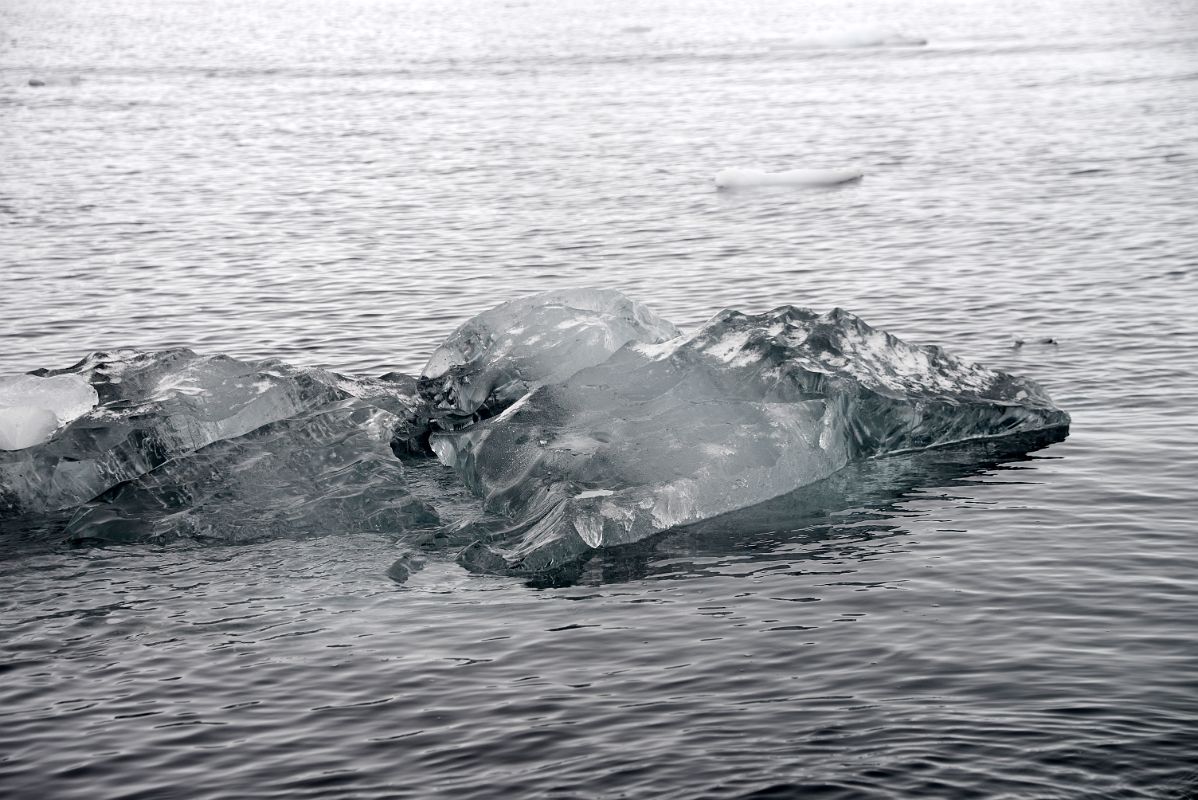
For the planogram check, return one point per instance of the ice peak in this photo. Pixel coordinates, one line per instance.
(497, 356)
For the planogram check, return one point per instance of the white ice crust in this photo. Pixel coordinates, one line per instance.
(32, 408)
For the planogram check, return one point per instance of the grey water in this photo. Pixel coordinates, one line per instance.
(341, 184)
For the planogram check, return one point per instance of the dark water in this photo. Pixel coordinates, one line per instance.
(341, 184)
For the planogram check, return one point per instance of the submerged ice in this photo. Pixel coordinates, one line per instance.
(579, 420)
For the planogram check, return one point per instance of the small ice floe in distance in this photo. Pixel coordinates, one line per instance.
(752, 178)
(38, 83)
(1018, 343)
(864, 36)
(32, 408)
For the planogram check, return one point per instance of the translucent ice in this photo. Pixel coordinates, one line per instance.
(325, 471)
(25, 426)
(746, 409)
(495, 358)
(156, 406)
(581, 419)
(33, 407)
(747, 178)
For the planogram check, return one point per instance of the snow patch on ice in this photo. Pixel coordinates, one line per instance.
(658, 351)
(727, 348)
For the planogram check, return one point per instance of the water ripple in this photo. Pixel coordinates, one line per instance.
(343, 189)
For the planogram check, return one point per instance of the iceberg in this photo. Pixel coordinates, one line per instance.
(563, 424)
(156, 406)
(748, 408)
(751, 178)
(496, 357)
(325, 471)
(33, 407)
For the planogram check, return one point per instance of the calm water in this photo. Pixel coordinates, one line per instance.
(342, 183)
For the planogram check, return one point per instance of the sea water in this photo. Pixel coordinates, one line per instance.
(341, 184)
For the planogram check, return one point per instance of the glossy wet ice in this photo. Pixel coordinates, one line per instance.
(343, 185)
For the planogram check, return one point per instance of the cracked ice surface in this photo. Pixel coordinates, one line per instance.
(325, 471)
(156, 406)
(497, 356)
(746, 409)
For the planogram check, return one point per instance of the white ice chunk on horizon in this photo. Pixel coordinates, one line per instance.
(751, 178)
(32, 408)
(856, 37)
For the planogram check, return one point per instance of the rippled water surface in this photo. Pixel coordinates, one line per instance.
(342, 183)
